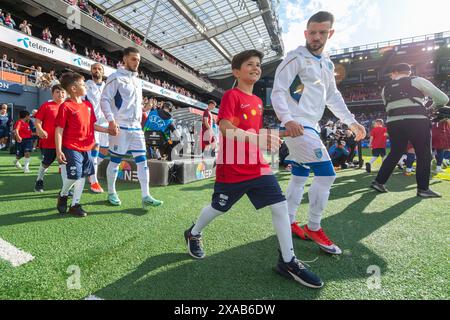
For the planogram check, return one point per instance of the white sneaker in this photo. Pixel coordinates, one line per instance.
(439, 169)
(17, 164)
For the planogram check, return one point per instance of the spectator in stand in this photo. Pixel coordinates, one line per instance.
(30, 72)
(9, 21)
(5, 64)
(60, 41)
(2, 18)
(46, 35)
(67, 44)
(14, 66)
(73, 49)
(25, 27)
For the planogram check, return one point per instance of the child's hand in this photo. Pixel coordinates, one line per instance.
(42, 134)
(19, 139)
(61, 158)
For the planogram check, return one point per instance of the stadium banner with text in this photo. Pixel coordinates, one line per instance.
(37, 46)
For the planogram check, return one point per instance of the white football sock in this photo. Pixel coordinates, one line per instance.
(318, 198)
(26, 162)
(67, 183)
(77, 191)
(42, 172)
(144, 178)
(111, 174)
(208, 214)
(280, 221)
(294, 195)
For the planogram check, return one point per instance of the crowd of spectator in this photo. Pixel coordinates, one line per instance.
(34, 74)
(62, 42)
(95, 14)
(356, 93)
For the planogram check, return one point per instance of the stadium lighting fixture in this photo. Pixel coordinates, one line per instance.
(424, 49)
(436, 47)
(429, 48)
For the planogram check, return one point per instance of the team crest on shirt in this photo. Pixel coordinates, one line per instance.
(318, 153)
(223, 200)
(330, 65)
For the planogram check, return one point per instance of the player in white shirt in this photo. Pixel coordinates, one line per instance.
(94, 89)
(121, 103)
(300, 118)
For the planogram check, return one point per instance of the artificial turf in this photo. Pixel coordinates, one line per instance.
(128, 253)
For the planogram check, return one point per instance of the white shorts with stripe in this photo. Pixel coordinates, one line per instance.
(307, 149)
(102, 139)
(128, 141)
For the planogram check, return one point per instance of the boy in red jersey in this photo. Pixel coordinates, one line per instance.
(45, 129)
(246, 172)
(24, 140)
(74, 140)
(378, 139)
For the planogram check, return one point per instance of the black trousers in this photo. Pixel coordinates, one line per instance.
(418, 131)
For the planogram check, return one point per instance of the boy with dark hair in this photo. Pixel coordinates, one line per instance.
(74, 139)
(45, 129)
(23, 134)
(377, 142)
(240, 121)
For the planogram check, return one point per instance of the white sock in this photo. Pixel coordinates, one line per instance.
(93, 178)
(41, 172)
(26, 162)
(373, 159)
(144, 178)
(208, 214)
(67, 183)
(294, 195)
(111, 174)
(318, 198)
(77, 191)
(280, 221)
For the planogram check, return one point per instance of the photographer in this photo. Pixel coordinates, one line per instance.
(404, 98)
(339, 154)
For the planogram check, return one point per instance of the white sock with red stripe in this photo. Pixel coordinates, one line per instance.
(318, 198)
(294, 195)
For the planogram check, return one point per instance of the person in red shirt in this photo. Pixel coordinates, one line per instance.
(45, 129)
(378, 140)
(440, 134)
(24, 140)
(242, 170)
(74, 140)
(207, 135)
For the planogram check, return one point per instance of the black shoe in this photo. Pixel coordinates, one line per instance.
(62, 204)
(378, 186)
(368, 167)
(194, 244)
(428, 194)
(296, 271)
(76, 210)
(39, 186)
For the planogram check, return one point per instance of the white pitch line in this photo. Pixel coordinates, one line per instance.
(13, 255)
(92, 297)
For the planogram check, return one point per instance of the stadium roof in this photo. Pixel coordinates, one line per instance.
(204, 34)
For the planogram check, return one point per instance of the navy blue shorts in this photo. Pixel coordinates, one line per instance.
(380, 152)
(79, 164)
(4, 132)
(262, 192)
(48, 156)
(25, 146)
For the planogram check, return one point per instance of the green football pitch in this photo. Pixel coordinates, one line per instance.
(395, 244)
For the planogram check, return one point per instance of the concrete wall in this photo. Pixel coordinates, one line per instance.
(31, 98)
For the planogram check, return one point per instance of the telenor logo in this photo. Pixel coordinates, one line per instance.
(25, 42)
(77, 61)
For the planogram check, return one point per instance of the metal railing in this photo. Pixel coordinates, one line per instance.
(403, 41)
(17, 73)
